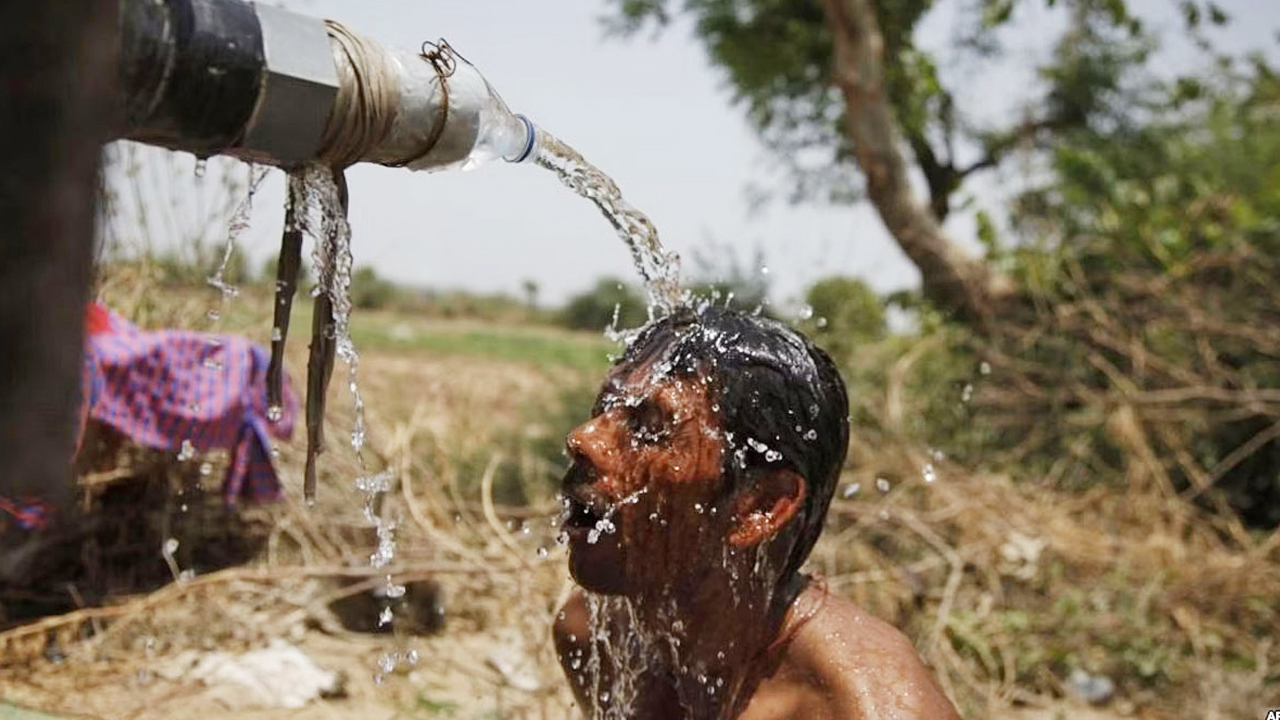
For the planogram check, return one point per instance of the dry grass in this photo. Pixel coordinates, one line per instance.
(1005, 587)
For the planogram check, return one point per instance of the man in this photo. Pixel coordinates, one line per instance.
(697, 490)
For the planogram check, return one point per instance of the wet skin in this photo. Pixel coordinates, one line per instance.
(686, 551)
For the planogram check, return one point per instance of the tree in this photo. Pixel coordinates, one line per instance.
(834, 85)
(530, 289)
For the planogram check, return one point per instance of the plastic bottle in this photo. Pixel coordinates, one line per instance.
(499, 133)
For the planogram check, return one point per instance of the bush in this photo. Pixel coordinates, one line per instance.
(371, 292)
(595, 309)
(845, 314)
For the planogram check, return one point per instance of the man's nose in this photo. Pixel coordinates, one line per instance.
(595, 442)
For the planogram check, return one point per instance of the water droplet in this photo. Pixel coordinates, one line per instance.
(603, 525)
(806, 312)
(821, 322)
(882, 485)
(811, 435)
(170, 546)
(379, 483)
(850, 490)
(542, 552)
(395, 591)
(206, 469)
(929, 474)
(276, 334)
(967, 394)
(202, 166)
(384, 618)
(984, 368)
(186, 451)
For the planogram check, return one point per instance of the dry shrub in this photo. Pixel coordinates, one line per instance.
(1008, 586)
(1114, 504)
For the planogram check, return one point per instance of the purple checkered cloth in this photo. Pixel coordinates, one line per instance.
(164, 388)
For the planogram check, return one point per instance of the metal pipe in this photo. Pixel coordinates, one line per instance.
(264, 84)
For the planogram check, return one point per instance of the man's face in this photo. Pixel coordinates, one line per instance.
(644, 494)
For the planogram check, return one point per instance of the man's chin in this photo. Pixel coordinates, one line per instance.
(597, 567)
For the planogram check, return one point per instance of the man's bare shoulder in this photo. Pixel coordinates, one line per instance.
(864, 666)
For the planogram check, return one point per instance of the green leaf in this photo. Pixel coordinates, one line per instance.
(1190, 14)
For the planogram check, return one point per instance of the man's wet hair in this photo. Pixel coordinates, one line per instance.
(779, 398)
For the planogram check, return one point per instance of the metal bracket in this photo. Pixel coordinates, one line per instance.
(298, 91)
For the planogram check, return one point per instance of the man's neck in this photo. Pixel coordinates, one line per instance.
(714, 639)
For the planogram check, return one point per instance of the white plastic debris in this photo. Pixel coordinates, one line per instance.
(277, 676)
(1094, 689)
(514, 668)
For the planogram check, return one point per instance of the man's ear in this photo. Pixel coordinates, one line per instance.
(765, 506)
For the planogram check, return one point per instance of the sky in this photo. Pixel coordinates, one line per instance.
(651, 113)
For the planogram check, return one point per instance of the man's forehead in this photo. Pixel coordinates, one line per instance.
(651, 377)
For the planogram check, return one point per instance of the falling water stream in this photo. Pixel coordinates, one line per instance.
(324, 217)
(659, 268)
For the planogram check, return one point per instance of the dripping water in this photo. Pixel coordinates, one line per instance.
(325, 194)
(236, 228)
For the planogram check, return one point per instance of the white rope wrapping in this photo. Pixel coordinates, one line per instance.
(367, 101)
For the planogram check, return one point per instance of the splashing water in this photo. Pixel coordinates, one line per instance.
(659, 268)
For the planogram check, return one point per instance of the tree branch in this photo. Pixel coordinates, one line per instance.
(951, 278)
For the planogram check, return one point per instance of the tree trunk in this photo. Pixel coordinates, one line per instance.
(951, 278)
(57, 71)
